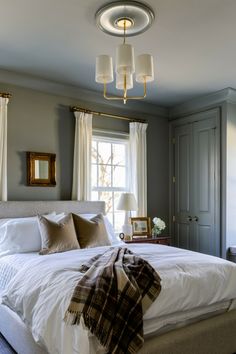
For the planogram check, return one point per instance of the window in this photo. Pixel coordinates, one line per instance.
(109, 174)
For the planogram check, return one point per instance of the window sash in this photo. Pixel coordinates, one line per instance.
(111, 139)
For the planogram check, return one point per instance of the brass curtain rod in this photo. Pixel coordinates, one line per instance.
(116, 116)
(5, 95)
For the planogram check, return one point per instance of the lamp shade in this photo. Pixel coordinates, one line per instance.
(120, 81)
(125, 59)
(104, 69)
(127, 202)
(144, 68)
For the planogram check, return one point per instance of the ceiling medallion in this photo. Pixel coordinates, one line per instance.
(124, 19)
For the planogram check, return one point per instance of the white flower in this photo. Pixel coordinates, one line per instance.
(155, 220)
(160, 224)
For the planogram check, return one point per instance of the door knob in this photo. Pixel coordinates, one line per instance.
(189, 218)
(195, 218)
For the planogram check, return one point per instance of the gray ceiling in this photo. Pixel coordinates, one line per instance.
(193, 43)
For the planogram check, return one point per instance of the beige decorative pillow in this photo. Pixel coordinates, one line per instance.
(91, 233)
(57, 237)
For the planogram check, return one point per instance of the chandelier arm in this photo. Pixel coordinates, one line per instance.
(110, 97)
(125, 89)
(125, 98)
(139, 97)
(124, 32)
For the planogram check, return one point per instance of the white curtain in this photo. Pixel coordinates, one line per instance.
(3, 148)
(81, 188)
(138, 165)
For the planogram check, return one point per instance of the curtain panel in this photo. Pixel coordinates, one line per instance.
(3, 148)
(138, 165)
(81, 186)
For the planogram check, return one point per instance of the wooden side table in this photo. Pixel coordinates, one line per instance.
(161, 240)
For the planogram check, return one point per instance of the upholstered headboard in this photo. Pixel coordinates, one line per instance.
(30, 208)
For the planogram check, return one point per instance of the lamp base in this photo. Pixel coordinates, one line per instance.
(127, 231)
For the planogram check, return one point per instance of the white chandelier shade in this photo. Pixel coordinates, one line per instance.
(120, 79)
(125, 59)
(104, 69)
(144, 68)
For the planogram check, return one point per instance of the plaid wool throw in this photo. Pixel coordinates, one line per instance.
(112, 296)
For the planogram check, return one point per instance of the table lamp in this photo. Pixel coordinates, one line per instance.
(128, 203)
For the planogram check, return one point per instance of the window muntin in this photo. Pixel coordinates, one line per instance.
(109, 174)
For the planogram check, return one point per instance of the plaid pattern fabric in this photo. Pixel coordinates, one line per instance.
(112, 296)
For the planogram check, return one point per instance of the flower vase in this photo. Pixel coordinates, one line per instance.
(156, 233)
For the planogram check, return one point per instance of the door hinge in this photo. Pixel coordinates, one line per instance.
(173, 179)
(173, 218)
(173, 140)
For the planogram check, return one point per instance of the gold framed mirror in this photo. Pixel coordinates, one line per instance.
(41, 169)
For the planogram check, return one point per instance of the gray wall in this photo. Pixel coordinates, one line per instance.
(42, 122)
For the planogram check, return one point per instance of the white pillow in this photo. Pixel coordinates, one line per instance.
(20, 235)
(110, 230)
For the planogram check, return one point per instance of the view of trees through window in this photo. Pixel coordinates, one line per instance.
(109, 175)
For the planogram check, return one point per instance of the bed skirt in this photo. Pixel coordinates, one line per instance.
(215, 335)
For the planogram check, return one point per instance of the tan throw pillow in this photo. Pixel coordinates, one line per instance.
(57, 237)
(91, 233)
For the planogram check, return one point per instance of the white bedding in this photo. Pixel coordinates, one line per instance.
(192, 284)
(10, 265)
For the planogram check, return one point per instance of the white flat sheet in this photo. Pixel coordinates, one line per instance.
(10, 265)
(192, 284)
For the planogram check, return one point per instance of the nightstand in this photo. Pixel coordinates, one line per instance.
(161, 240)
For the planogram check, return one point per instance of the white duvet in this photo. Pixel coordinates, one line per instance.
(40, 292)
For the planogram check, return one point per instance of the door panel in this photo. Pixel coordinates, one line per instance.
(183, 178)
(205, 239)
(183, 151)
(204, 185)
(183, 234)
(203, 169)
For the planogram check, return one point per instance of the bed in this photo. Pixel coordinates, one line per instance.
(173, 325)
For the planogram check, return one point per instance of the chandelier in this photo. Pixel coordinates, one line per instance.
(124, 19)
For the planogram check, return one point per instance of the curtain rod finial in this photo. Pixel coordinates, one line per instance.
(5, 95)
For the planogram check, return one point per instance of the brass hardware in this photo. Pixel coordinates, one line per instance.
(124, 32)
(116, 116)
(195, 218)
(173, 218)
(125, 98)
(5, 95)
(121, 22)
(189, 218)
(173, 179)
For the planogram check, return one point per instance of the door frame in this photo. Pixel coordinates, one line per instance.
(189, 119)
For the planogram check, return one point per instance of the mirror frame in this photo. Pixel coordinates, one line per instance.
(41, 182)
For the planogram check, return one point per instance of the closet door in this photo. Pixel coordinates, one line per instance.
(196, 185)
